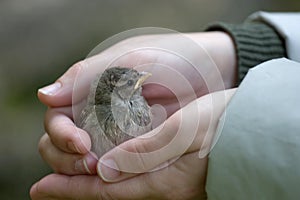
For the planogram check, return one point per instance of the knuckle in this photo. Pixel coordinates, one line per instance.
(65, 165)
(101, 194)
(42, 144)
(58, 167)
(49, 154)
(74, 69)
(141, 148)
(47, 119)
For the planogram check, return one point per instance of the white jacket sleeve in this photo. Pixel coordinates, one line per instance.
(288, 26)
(257, 152)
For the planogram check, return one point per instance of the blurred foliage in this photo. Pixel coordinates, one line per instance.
(40, 39)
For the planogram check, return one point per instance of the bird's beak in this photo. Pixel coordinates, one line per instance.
(144, 76)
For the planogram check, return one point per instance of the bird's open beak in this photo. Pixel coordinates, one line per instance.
(144, 76)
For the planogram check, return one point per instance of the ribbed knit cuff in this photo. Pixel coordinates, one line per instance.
(255, 43)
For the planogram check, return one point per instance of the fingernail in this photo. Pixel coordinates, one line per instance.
(82, 166)
(50, 89)
(108, 170)
(79, 166)
(87, 164)
(73, 147)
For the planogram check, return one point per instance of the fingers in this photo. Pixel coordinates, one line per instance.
(185, 178)
(66, 163)
(66, 148)
(189, 129)
(60, 92)
(63, 132)
(56, 186)
(73, 86)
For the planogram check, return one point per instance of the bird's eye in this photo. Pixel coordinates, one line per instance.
(130, 82)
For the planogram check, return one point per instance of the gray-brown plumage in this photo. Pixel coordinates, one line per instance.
(115, 111)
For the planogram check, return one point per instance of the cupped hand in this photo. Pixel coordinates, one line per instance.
(66, 148)
(205, 60)
(175, 172)
(216, 50)
(184, 179)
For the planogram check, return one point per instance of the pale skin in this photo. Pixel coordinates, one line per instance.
(66, 148)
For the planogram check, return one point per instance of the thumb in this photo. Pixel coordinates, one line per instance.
(59, 186)
(59, 93)
(159, 147)
(73, 85)
(190, 129)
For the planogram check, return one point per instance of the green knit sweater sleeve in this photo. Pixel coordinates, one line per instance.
(255, 43)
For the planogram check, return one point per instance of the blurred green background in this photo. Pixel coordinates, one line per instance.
(40, 39)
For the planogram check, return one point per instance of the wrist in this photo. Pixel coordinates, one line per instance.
(255, 43)
(220, 47)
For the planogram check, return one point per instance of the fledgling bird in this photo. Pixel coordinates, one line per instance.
(115, 111)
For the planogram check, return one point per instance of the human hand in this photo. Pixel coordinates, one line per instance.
(208, 64)
(184, 178)
(59, 120)
(69, 146)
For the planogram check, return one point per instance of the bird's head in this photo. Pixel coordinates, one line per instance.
(124, 82)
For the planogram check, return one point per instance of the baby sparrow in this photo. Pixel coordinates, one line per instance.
(115, 111)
